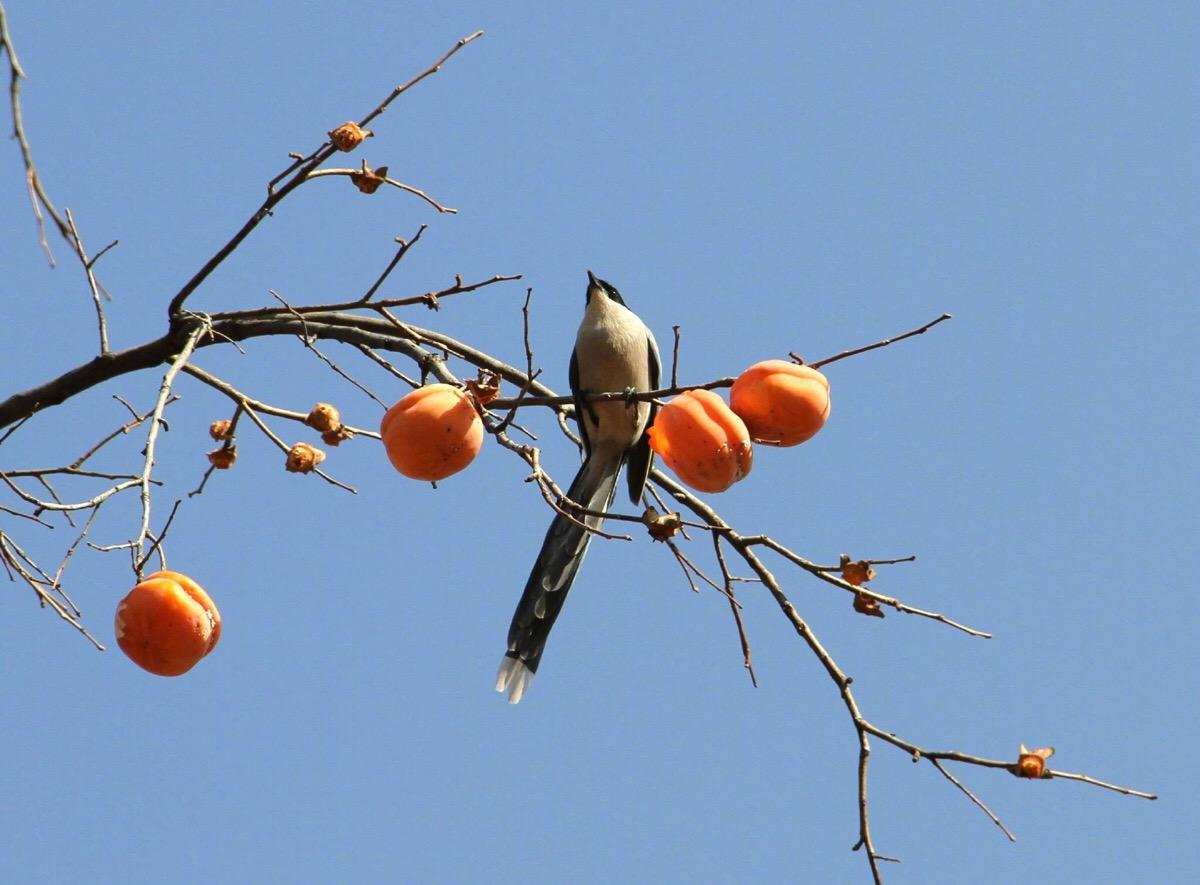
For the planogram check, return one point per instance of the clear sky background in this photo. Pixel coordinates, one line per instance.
(772, 177)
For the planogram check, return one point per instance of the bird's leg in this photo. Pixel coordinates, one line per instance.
(630, 393)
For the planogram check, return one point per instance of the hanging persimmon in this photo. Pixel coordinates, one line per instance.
(782, 403)
(702, 440)
(432, 433)
(167, 623)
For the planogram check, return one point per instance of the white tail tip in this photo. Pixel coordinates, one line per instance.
(513, 677)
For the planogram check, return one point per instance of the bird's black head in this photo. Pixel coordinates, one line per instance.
(602, 288)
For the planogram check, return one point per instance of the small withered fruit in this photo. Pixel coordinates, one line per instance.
(1032, 763)
(661, 526)
(303, 458)
(223, 458)
(348, 136)
(221, 430)
(338, 436)
(367, 179)
(324, 418)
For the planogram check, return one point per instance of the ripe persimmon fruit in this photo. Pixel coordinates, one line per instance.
(705, 443)
(167, 623)
(782, 403)
(432, 433)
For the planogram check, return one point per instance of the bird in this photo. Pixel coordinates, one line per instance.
(614, 351)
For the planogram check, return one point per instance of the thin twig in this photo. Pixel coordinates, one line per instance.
(428, 299)
(309, 342)
(415, 191)
(1116, 788)
(8, 554)
(824, 573)
(428, 72)
(371, 354)
(91, 279)
(79, 505)
(298, 171)
(978, 802)
(164, 392)
(675, 358)
(250, 402)
(884, 343)
(120, 431)
(530, 374)
(29, 516)
(15, 427)
(158, 542)
(747, 660)
(62, 566)
(33, 182)
(405, 245)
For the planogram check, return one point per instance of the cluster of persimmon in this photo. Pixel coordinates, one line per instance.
(436, 430)
(708, 444)
(302, 457)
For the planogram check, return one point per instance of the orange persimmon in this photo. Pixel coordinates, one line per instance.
(783, 404)
(432, 433)
(167, 623)
(705, 443)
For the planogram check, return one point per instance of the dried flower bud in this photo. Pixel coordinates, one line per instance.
(856, 573)
(348, 136)
(220, 430)
(485, 389)
(223, 458)
(662, 526)
(1032, 763)
(865, 605)
(338, 436)
(303, 458)
(368, 180)
(323, 418)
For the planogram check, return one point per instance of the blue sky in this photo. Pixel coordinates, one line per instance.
(773, 177)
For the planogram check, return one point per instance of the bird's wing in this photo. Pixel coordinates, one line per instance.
(641, 457)
(573, 379)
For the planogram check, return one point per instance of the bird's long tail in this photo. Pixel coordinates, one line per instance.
(560, 557)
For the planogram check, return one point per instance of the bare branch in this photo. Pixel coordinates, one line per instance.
(372, 355)
(299, 172)
(415, 191)
(80, 505)
(747, 662)
(164, 392)
(11, 556)
(884, 343)
(405, 245)
(975, 799)
(33, 182)
(824, 573)
(157, 545)
(309, 343)
(249, 402)
(675, 358)
(428, 72)
(91, 279)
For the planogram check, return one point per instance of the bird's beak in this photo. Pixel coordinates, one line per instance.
(592, 279)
